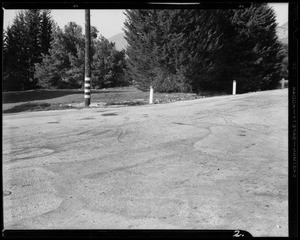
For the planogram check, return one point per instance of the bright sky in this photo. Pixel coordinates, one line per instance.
(281, 11)
(110, 22)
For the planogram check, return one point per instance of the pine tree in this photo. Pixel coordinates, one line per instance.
(63, 67)
(58, 68)
(188, 49)
(11, 67)
(45, 36)
(33, 50)
(199, 45)
(258, 51)
(22, 50)
(285, 62)
(108, 65)
(15, 55)
(139, 23)
(169, 48)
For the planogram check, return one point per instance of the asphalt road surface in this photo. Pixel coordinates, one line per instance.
(214, 163)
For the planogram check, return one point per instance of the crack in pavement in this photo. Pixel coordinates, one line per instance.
(122, 134)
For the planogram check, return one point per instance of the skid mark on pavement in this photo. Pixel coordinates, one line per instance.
(99, 174)
(101, 132)
(84, 132)
(29, 153)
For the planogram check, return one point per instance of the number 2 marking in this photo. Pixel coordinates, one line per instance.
(238, 234)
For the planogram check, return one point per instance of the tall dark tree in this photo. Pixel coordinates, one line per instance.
(180, 50)
(285, 61)
(15, 68)
(167, 48)
(32, 43)
(23, 48)
(258, 49)
(199, 45)
(45, 36)
(10, 62)
(138, 25)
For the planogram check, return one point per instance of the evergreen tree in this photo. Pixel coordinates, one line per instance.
(15, 55)
(108, 65)
(169, 48)
(169, 54)
(32, 42)
(23, 48)
(216, 61)
(45, 36)
(150, 52)
(199, 45)
(180, 50)
(258, 49)
(138, 25)
(63, 67)
(285, 62)
(11, 65)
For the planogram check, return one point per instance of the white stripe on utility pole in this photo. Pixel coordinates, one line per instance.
(87, 96)
(87, 79)
(87, 85)
(87, 90)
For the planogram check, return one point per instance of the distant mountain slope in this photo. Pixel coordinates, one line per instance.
(283, 32)
(119, 40)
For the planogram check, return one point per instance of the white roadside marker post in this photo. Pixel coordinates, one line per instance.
(234, 87)
(151, 95)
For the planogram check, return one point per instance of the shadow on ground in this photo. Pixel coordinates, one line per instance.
(36, 107)
(34, 95)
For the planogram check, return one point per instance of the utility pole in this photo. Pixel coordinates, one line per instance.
(87, 60)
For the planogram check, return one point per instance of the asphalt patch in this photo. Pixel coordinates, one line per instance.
(29, 153)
